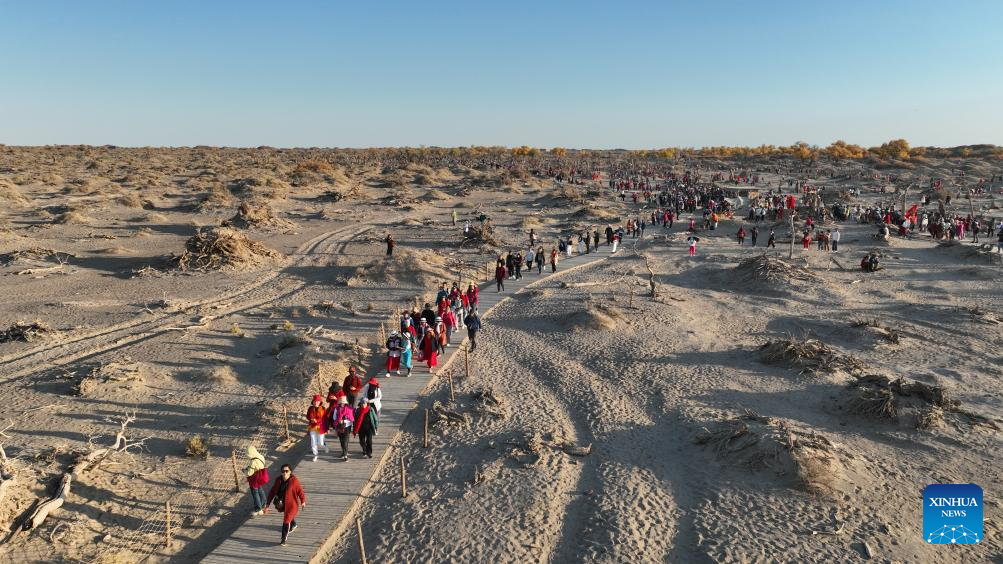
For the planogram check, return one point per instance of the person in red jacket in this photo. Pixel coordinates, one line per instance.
(289, 497)
(430, 349)
(352, 385)
(472, 294)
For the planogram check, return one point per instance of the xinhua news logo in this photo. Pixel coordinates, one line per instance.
(952, 514)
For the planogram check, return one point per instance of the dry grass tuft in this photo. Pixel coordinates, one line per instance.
(596, 316)
(220, 374)
(197, 446)
(289, 340)
(71, 217)
(10, 193)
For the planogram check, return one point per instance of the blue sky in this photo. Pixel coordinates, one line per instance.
(571, 74)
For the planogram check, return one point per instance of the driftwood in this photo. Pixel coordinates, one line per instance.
(85, 462)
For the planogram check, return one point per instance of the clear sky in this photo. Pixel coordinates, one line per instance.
(601, 74)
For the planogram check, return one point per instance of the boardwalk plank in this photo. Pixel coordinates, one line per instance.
(334, 486)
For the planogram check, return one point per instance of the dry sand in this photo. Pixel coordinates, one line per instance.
(703, 448)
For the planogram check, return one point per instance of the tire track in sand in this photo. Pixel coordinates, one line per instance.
(269, 287)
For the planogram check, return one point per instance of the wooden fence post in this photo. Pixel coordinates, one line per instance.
(167, 528)
(425, 443)
(403, 479)
(236, 476)
(285, 421)
(449, 376)
(362, 544)
(466, 361)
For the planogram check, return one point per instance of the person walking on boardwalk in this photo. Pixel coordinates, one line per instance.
(352, 384)
(394, 347)
(540, 258)
(316, 425)
(372, 393)
(390, 244)
(472, 295)
(753, 235)
(343, 423)
(289, 497)
(366, 425)
(473, 323)
(553, 259)
(407, 353)
(500, 276)
(430, 349)
(257, 478)
(772, 241)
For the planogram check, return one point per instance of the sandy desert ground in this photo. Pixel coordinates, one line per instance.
(600, 424)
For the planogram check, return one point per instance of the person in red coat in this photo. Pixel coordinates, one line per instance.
(289, 497)
(430, 349)
(352, 385)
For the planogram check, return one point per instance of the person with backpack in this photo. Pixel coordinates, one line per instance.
(316, 425)
(366, 424)
(371, 392)
(256, 472)
(473, 323)
(394, 353)
(289, 497)
(342, 422)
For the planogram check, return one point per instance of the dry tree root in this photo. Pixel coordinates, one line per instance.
(882, 396)
(884, 332)
(83, 463)
(223, 248)
(773, 270)
(257, 215)
(25, 332)
(810, 355)
(757, 442)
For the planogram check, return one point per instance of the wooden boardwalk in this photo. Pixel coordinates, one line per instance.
(333, 486)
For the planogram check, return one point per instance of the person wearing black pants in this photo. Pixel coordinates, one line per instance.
(366, 425)
(473, 323)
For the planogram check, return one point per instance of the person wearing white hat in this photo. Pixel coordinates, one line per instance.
(440, 332)
(394, 353)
